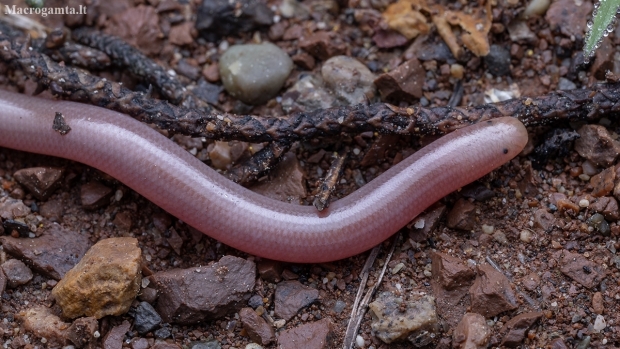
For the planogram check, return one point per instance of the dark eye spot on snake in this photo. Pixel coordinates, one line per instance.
(505, 151)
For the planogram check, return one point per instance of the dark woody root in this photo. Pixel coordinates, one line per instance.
(325, 190)
(73, 84)
(125, 56)
(77, 85)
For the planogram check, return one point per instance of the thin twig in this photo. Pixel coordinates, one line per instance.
(253, 168)
(365, 273)
(321, 200)
(359, 307)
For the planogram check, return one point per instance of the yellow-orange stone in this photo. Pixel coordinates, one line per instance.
(104, 282)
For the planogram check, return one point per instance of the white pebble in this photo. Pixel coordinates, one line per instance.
(397, 268)
(488, 229)
(584, 203)
(359, 341)
(536, 7)
(525, 236)
(584, 177)
(223, 45)
(599, 323)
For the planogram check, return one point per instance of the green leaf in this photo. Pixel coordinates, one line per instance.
(604, 17)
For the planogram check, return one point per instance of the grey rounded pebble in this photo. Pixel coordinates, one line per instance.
(565, 84)
(350, 80)
(498, 61)
(308, 94)
(163, 333)
(148, 295)
(339, 306)
(255, 301)
(598, 222)
(254, 73)
(16, 272)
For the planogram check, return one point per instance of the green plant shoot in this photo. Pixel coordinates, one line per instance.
(604, 17)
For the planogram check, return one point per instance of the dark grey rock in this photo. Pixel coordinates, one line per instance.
(498, 61)
(146, 318)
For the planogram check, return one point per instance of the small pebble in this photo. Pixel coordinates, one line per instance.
(254, 73)
(359, 341)
(457, 71)
(255, 301)
(398, 268)
(339, 306)
(260, 310)
(500, 237)
(16, 272)
(565, 84)
(583, 203)
(498, 61)
(525, 236)
(536, 8)
(349, 79)
(599, 323)
(220, 155)
(598, 222)
(488, 229)
(589, 168)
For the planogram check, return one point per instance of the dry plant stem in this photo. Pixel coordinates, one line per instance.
(55, 45)
(457, 94)
(139, 65)
(359, 309)
(78, 85)
(254, 167)
(355, 310)
(79, 55)
(321, 200)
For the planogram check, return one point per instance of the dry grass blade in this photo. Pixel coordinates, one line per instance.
(360, 306)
